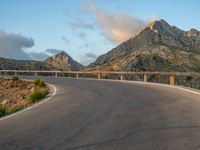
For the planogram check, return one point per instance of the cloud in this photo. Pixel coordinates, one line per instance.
(65, 40)
(79, 23)
(40, 56)
(81, 35)
(117, 27)
(53, 51)
(88, 58)
(14, 45)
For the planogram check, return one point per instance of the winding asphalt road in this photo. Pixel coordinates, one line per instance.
(106, 115)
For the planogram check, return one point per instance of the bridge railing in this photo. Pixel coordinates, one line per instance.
(99, 74)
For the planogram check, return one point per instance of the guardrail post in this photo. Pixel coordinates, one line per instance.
(56, 74)
(5, 73)
(145, 78)
(99, 76)
(77, 76)
(15, 73)
(35, 74)
(171, 79)
(122, 77)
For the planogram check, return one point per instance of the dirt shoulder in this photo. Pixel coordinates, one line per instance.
(18, 94)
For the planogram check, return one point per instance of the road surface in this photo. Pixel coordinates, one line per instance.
(106, 115)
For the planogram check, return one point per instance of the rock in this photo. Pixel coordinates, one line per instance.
(63, 61)
(4, 102)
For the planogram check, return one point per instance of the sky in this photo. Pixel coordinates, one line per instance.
(85, 29)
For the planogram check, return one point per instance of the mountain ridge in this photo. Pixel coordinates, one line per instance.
(158, 47)
(48, 64)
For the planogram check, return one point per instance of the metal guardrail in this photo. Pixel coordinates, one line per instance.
(145, 75)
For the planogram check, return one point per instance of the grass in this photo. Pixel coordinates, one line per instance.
(3, 111)
(16, 108)
(39, 83)
(37, 95)
(15, 78)
(40, 91)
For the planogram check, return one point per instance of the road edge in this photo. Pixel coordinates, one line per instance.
(34, 105)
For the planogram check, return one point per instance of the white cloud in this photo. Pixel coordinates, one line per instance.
(14, 45)
(53, 51)
(88, 58)
(40, 56)
(117, 27)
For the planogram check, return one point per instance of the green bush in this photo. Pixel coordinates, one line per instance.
(2, 111)
(39, 82)
(15, 78)
(37, 95)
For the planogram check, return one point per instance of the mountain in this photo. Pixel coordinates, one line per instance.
(158, 47)
(12, 64)
(63, 61)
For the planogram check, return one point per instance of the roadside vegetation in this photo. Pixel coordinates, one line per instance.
(40, 91)
(16, 94)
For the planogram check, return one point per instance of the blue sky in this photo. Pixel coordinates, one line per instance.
(85, 28)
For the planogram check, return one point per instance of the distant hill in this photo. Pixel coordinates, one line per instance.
(61, 61)
(158, 47)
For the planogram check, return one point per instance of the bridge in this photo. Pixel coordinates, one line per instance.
(105, 114)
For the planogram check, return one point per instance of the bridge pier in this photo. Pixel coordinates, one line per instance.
(99, 76)
(145, 78)
(122, 77)
(77, 76)
(172, 80)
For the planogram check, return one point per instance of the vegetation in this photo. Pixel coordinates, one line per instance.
(36, 96)
(39, 83)
(2, 111)
(40, 91)
(16, 108)
(15, 78)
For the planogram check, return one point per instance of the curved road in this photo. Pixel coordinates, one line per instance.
(106, 115)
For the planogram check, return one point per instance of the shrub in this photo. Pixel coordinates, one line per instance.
(39, 82)
(2, 111)
(15, 78)
(16, 108)
(37, 95)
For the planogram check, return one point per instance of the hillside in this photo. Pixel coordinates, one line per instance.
(61, 61)
(158, 47)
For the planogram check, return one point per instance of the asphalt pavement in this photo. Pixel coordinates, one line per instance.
(106, 115)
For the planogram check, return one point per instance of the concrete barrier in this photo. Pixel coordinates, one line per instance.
(171, 75)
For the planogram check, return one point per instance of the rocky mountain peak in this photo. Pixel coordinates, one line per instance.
(63, 61)
(159, 25)
(157, 47)
(193, 32)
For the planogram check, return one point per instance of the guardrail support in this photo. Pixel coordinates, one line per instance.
(77, 76)
(15, 73)
(35, 74)
(122, 77)
(99, 76)
(145, 78)
(56, 74)
(171, 79)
